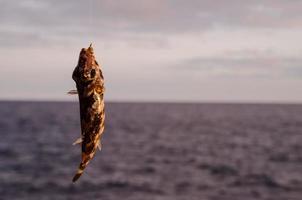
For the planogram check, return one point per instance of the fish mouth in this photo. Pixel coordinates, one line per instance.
(90, 49)
(86, 53)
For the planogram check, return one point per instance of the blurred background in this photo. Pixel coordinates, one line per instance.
(203, 99)
(155, 50)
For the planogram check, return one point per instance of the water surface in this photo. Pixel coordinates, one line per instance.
(153, 151)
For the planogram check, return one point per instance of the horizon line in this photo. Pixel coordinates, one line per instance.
(160, 101)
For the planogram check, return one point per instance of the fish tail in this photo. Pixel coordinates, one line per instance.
(79, 172)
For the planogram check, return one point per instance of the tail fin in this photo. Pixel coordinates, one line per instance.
(79, 172)
(85, 160)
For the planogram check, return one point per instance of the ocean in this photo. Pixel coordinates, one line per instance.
(153, 151)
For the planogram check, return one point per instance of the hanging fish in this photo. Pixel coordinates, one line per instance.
(90, 89)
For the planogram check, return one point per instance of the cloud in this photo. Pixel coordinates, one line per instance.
(245, 64)
(54, 21)
(136, 39)
(156, 15)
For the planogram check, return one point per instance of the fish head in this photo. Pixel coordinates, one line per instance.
(87, 65)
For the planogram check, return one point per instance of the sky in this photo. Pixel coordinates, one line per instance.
(159, 50)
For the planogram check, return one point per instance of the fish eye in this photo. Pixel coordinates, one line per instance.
(82, 61)
(92, 73)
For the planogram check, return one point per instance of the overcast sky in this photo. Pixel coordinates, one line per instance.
(159, 50)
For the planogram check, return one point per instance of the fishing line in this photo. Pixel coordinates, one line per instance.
(90, 22)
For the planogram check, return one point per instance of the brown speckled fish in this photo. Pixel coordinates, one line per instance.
(90, 88)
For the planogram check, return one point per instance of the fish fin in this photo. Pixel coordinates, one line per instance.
(78, 141)
(85, 160)
(71, 92)
(79, 172)
(99, 146)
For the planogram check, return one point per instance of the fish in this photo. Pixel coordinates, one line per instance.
(89, 81)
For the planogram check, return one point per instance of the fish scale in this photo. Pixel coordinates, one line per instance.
(90, 89)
